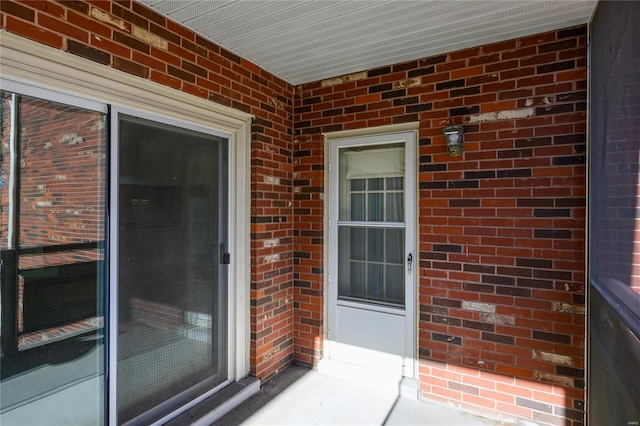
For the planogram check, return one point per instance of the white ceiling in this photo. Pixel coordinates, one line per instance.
(307, 40)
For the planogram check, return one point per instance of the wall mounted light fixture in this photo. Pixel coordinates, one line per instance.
(453, 137)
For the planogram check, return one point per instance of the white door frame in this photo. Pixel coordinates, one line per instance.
(333, 142)
(114, 209)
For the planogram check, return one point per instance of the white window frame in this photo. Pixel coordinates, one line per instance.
(34, 69)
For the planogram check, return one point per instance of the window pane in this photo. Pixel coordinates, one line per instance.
(395, 207)
(371, 182)
(365, 171)
(395, 183)
(358, 184)
(394, 284)
(357, 283)
(394, 246)
(375, 281)
(358, 207)
(375, 245)
(376, 184)
(358, 244)
(52, 367)
(376, 207)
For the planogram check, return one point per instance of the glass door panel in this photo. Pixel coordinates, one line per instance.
(52, 197)
(371, 229)
(172, 287)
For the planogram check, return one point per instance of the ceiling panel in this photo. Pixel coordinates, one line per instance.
(307, 40)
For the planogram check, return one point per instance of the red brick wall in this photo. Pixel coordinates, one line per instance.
(127, 36)
(501, 228)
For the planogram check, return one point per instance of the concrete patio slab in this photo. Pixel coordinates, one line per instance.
(300, 396)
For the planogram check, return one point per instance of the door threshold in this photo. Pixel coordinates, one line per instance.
(219, 404)
(396, 384)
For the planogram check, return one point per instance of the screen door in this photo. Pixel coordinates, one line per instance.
(371, 252)
(172, 321)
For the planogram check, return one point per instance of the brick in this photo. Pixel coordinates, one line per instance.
(534, 405)
(380, 88)
(33, 32)
(107, 18)
(421, 71)
(555, 67)
(131, 42)
(181, 74)
(450, 84)
(551, 337)
(17, 10)
(88, 52)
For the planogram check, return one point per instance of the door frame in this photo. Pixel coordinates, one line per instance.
(116, 112)
(32, 65)
(406, 133)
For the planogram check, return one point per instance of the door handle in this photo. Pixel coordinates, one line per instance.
(409, 261)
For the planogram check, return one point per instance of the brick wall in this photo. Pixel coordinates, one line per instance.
(501, 228)
(130, 37)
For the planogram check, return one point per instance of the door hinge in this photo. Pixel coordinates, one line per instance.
(226, 258)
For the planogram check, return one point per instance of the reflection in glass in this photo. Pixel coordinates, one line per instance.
(172, 290)
(52, 196)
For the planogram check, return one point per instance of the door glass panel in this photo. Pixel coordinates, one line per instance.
(371, 258)
(52, 199)
(172, 289)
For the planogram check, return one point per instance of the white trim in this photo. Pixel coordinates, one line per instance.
(370, 137)
(23, 88)
(376, 308)
(81, 82)
(112, 256)
(370, 131)
(13, 153)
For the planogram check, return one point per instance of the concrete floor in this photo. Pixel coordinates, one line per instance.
(300, 396)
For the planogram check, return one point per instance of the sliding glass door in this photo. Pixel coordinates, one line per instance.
(172, 294)
(161, 315)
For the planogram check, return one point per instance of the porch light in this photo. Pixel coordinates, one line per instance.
(453, 137)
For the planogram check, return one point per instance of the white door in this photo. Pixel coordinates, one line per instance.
(371, 252)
